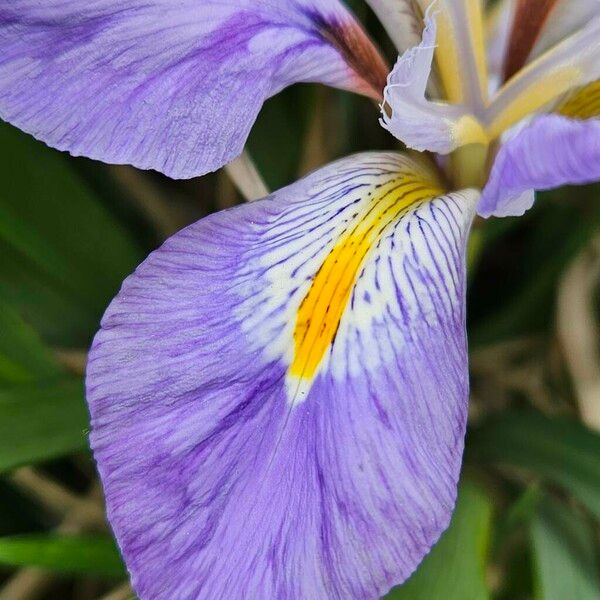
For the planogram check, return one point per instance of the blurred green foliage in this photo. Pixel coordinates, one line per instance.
(565, 553)
(76, 554)
(455, 567)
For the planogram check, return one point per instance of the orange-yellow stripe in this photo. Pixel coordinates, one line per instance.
(584, 103)
(321, 311)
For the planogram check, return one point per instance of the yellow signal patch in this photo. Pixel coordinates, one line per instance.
(584, 103)
(321, 310)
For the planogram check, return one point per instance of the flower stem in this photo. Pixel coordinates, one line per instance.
(468, 166)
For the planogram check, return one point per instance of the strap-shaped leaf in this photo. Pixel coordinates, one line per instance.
(564, 554)
(23, 356)
(455, 568)
(559, 450)
(61, 251)
(40, 423)
(94, 555)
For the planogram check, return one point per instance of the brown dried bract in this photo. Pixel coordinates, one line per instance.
(361, 55)
(529, 19)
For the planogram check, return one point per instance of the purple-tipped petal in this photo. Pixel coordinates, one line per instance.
(253, 447)
(552, 151)
(169, 85)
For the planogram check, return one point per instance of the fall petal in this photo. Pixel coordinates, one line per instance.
(278, 394)
(171, 86)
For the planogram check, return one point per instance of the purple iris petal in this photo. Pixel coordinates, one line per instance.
(550, 152)
(219, 481)
(169, 85)
(409, 115)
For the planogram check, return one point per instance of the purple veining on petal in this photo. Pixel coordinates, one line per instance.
(550, 152)
(172, 86)
(215, 485)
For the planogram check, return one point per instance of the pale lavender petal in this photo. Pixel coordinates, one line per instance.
(552, 151)
(415, 120)
(169, 85)
(226, 475)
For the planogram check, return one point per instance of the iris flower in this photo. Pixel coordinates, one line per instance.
(279, 393)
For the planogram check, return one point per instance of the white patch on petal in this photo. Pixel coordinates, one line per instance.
(410, 273)
(391, 285)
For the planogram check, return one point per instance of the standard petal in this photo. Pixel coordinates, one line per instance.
(278, 394)
(552, 151)
(171, 86)
(421, 123)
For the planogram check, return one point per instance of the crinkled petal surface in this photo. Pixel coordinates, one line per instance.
(279, 393)
(552, 151)
(411, 117)
(165, 85)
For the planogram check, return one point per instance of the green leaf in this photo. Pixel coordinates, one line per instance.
(522, 510)
(93, 555)
(276, 139)
(455, 568)
(39, 423)
(58, 318)
(559, 450)
(58, 232)
(564, 554)
(474, 249)
(23, 356)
